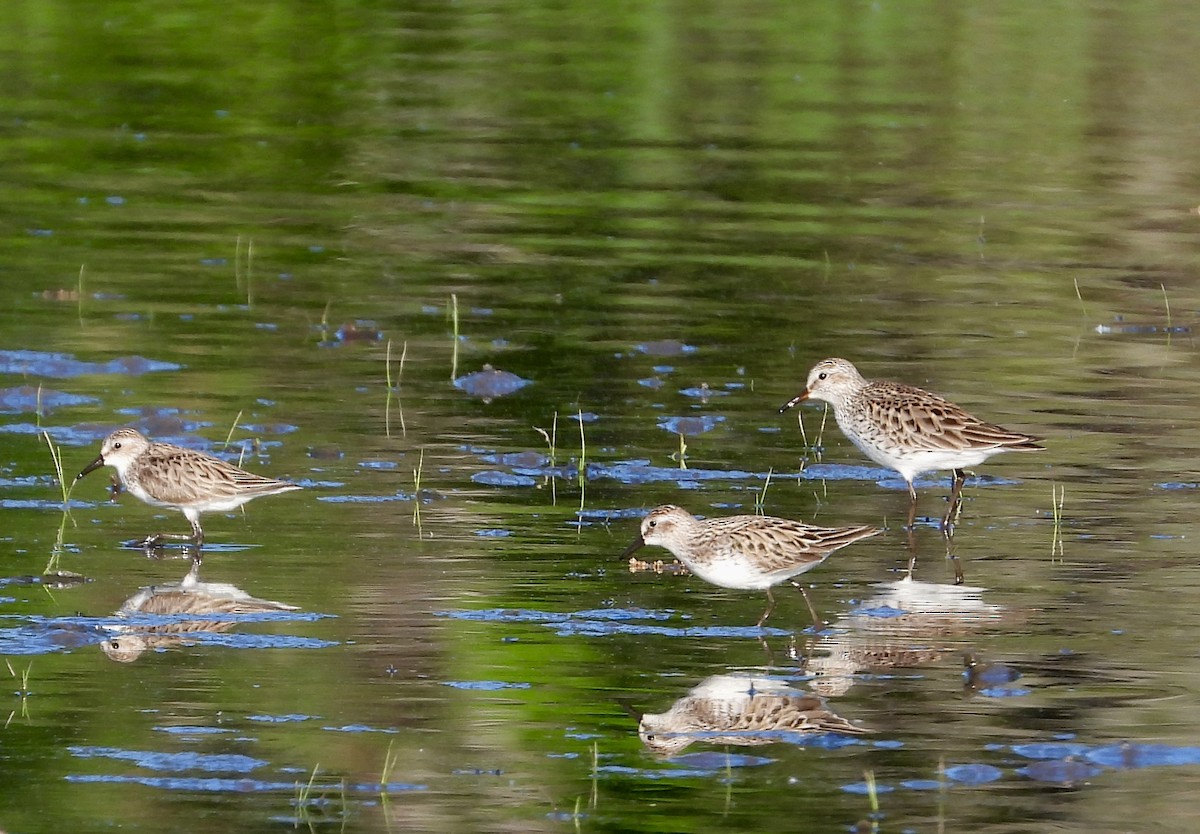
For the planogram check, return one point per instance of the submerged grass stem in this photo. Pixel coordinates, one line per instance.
(56, 456)
(233, 428)
(761, 497)
(454, 322)
(551, 438)
(417, 491)
(1167, 304)
(1058, 496)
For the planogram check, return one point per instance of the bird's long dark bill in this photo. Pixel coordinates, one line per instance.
(794, 401)
(635, 545)
(91, 467)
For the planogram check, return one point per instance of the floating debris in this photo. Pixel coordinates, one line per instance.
(1067, 771)
(525, 460)
(493, 477)
(325, 453)
(358, 331)
(703, 392)
(490, 383)
(980, 675)
(690, 426)
(658, 566)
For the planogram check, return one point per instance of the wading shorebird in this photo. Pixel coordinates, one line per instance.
(908, 429)
(745, 552)
(164, 475)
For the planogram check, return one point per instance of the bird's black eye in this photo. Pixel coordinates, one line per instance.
(116, 445)
(822, 375)
(652, 522)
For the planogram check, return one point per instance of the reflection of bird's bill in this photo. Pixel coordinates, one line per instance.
(628, 708)
(794, 401)
(634, 546)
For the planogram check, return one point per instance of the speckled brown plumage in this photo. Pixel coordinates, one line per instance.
(164, 475)
(744, 551)
(905, 428)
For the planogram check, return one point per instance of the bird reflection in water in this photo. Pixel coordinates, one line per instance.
(163, 614)
(906, 624)
(740, 710)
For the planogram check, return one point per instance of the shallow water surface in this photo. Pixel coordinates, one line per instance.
(492, 283)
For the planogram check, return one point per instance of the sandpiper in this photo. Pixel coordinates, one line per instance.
(908, 429)
(164, 475)
(746, 552)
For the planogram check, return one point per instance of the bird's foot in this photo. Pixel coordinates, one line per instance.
(155, 546)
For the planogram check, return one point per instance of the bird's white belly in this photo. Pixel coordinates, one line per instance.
(912, 462)
(741, 574)
(139, 492)
(199, 503)
(221, 504)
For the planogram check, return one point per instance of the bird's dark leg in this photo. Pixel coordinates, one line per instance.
(910, 529)
(762, 641)
(912, 506)
(818, 623)
(953, 557)
(197, 532)
(770, 608)
(156, 539)
(955, 506)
